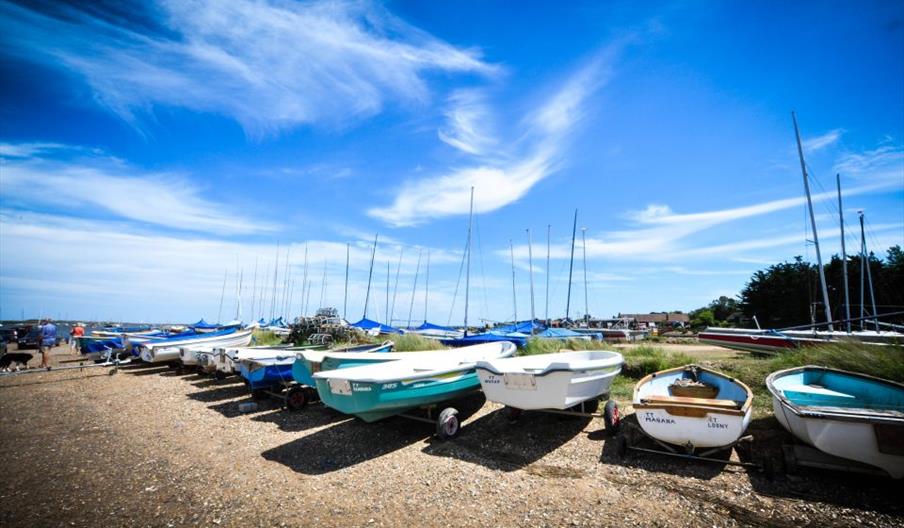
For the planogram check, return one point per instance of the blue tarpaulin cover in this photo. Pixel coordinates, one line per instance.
(204, 324)
(368, 324)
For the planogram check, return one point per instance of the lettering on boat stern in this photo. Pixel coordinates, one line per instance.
(650, 417)
(713, 423)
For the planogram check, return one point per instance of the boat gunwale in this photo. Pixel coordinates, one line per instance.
(461, 367)
(858, 414)
(741, 411)
(616, 361)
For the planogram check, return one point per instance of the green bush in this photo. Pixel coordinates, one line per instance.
(265, 338)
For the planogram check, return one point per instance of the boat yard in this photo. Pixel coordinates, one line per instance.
(151, 447)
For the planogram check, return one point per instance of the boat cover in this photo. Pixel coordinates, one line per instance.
(368, 325)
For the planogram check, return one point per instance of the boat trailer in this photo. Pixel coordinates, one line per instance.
(632, 435)
(586, 409)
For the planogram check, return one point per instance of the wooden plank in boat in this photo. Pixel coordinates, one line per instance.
(683, 400)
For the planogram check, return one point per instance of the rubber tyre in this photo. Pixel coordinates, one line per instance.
(447, 425)
(297, 398)
(513, 414)
(219, 374)
(611, 418)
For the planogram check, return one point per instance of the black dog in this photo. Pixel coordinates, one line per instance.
(6, 360)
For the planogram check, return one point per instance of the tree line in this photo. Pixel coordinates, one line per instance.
(785, 294)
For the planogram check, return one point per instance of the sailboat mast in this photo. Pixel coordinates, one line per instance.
(222, 294)
(548, 233)
(822, 273)
(514, 295)
(847, 300)
(417, 271)
(584, 248)
(468, 270)
(275, 275)
(869, 273)
(254, 289)
(574, 231)
(286, 273)
(387, 319)
(345, 296)
(530, 265)
(238, 297)
(427, 286)
(304, 283)
(370, 274)
(395, 287)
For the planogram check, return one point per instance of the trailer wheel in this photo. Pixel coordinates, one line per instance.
(611, 418)
(447, 425)
(219, 374)
(513, 414)
(297, 398)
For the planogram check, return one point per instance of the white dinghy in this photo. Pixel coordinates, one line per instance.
(167, 350)
(693, 407)
(549, 381)
(847, 415)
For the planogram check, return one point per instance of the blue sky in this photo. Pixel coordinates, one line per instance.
(148, 149)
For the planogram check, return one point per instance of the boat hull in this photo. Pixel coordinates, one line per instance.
(376, 401)
(873, 437)
(690, 422)
(169, 351)
(266, 376)
(548, 381)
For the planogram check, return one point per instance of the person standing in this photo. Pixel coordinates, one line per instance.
(77, 331)
(48, 341)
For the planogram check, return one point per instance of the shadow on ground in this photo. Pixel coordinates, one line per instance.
(660, 463)
(497, 442)
(353, 441)
(312, 416)
(845, 489)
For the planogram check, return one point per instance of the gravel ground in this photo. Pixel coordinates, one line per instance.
(152, 447)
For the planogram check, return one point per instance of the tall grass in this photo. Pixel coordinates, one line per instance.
(645, 359)
(414, 343)
(885, 362)
(536, 345)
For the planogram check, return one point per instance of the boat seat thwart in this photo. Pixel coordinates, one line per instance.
(697, 402)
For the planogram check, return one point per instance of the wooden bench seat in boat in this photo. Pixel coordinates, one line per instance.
(697, 402)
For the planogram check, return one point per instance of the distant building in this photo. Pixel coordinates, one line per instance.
(656, 320)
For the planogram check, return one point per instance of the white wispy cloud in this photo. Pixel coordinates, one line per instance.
(500, 176)
(62, 177)
(817, 143)
(469, 127)
(270, 65)
(115, 270)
